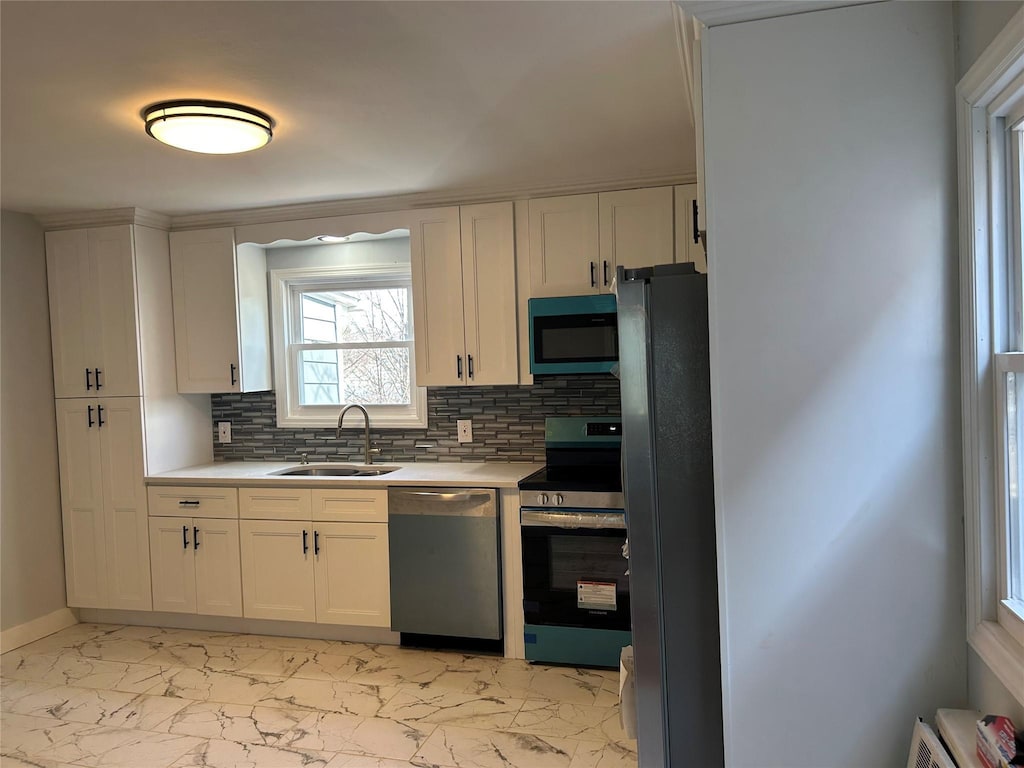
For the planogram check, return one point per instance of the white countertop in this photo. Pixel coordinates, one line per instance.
(491, 474)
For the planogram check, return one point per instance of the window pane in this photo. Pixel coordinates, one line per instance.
(362, 315)
(376, 376)
(1014, 474)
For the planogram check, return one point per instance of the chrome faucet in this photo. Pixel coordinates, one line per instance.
(368, 459)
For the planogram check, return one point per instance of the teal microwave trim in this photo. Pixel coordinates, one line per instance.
(575, 645)
(599, 304)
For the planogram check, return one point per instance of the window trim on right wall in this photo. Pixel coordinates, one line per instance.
(990, 91)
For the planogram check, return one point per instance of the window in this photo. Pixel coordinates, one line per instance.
(990, 129)
(345, 335)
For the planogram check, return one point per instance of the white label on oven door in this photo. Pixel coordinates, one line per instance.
(595, 595)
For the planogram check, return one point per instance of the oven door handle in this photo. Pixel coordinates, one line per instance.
(571, 520)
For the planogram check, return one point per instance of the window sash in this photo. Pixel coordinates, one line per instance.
(287, 287)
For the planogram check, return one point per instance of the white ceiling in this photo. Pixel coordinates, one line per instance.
(370, 99)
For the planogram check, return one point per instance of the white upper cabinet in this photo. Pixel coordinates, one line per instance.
(564, 246)
(103, 503)
(636, 230)
(91, 275)
(686, 248)
(221, 331)
(489, 293)
(464, 295)
(437, 296)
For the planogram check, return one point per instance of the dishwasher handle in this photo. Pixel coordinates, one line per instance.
(446, 503)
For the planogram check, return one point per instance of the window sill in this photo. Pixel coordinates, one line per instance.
(1001, 654)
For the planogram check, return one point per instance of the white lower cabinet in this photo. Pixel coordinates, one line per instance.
(103, 503)
(277, 570)
(196, 565)
(331, 565)
(353, 582)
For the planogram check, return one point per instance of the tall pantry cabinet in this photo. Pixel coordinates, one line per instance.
(119, 415)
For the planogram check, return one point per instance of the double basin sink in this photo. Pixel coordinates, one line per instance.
(336, 470)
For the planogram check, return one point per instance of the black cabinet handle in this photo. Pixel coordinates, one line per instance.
(184, 537)
(458, 365)
(195, 537)
(99, 413)
(187, 503)
(316, 542)
(234, 379)
(98, 372)
(605, 262)
(88, 379)
(696, 226)
(593, 283)
(469, 360)
(91, 422)
(305, 541)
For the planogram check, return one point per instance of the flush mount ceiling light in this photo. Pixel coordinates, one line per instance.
(211, 127)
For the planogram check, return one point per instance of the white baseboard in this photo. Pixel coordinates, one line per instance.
(30, 631)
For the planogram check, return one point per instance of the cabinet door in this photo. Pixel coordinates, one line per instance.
(124, 501)
(686, 248)
(173, 560)
(636, 230)
(277, 570)
(434, 242)
(489, 293)
(203, 287)
(81, 500)
(218, 567)
(73, 329)
(564, 252)
(353, 583)
(113, 263)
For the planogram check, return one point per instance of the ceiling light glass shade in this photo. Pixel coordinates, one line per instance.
(211, 127)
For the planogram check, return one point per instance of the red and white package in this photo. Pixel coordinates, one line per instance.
(997, 742)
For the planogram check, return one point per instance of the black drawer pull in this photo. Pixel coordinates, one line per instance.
(188, 503)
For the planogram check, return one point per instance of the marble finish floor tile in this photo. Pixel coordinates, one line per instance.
(475, 748)
(148, 697)
(103, 747)
(263, 726)
(216, 753)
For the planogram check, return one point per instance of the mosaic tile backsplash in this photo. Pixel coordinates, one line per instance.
(508, 424)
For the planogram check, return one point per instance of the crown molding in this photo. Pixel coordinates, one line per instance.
(106, 218)
(715, 13)
(326, 209)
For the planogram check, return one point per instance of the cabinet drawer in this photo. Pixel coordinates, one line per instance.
(274, 504)
(361, 505)
(192, 501)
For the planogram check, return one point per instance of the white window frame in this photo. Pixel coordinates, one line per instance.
(991, 92)
(290, 411)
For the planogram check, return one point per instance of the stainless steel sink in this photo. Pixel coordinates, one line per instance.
(336, 470)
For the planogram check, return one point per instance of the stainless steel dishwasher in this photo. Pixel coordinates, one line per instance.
(445, 562)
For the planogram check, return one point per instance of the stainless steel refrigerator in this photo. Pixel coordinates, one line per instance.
(670, 514)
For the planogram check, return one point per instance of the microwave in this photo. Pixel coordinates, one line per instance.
(573, 334)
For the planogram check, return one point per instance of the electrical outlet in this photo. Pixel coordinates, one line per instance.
(465, 430)
(223, 431)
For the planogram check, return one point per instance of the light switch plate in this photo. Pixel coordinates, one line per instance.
(223, 431)
(465, 430)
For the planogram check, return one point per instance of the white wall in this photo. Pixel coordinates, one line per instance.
(830, 155)
(31, 549)
(976, 24)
